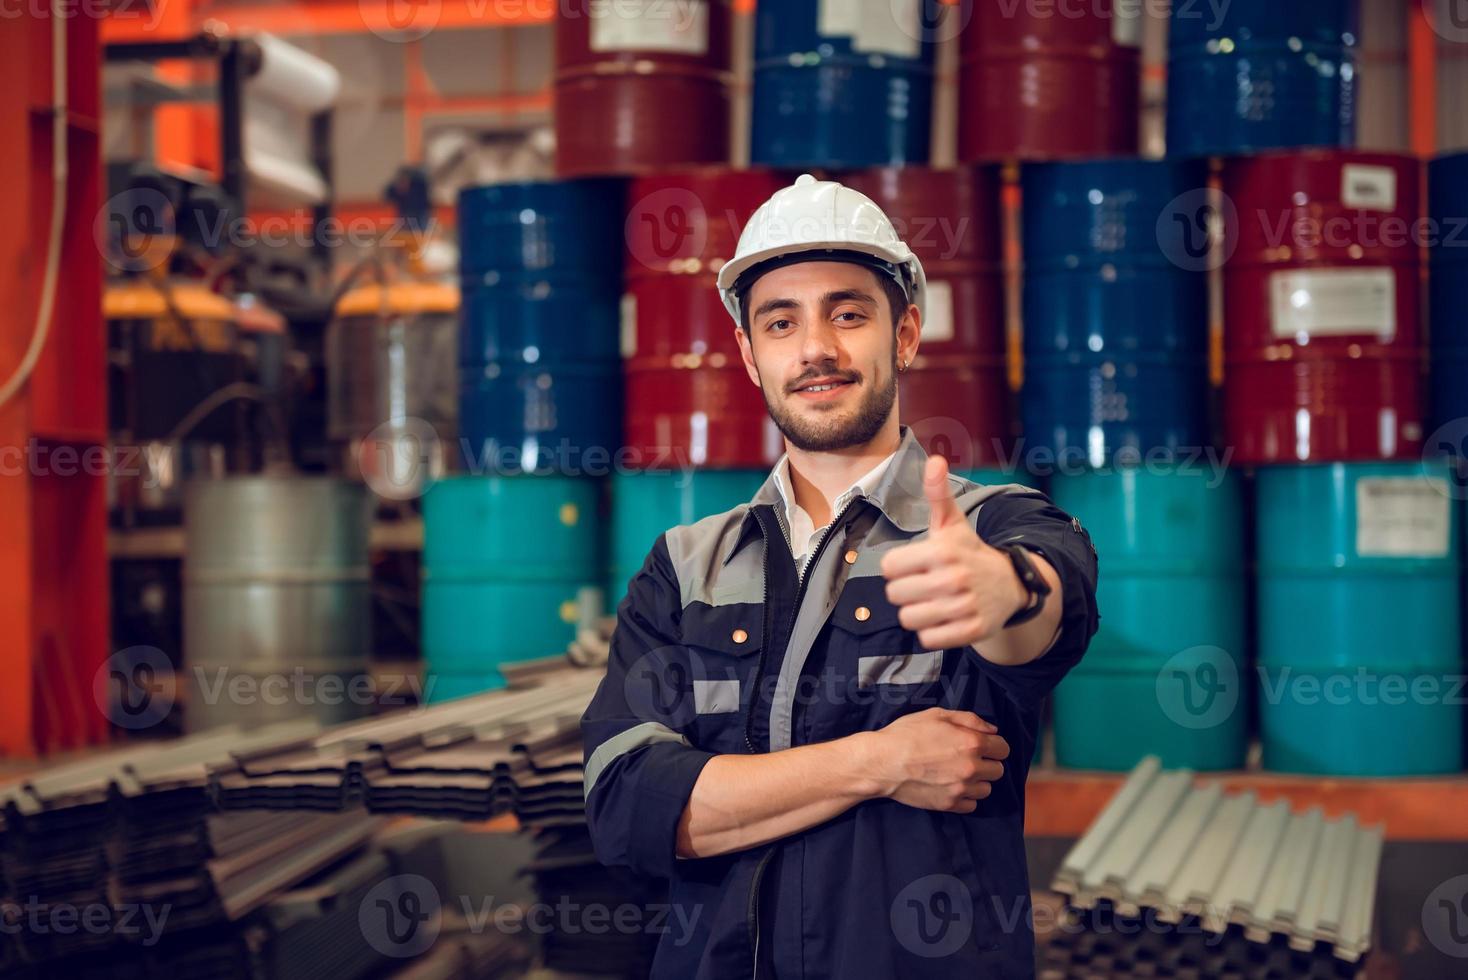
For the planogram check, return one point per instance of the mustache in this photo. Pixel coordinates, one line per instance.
(851, 377)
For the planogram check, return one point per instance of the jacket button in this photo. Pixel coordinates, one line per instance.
(739, 636)
(851, 558)
(863, 614)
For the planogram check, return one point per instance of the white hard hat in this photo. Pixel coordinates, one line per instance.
(813, 216)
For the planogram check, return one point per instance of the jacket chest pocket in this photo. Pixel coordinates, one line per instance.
(723, 645)
(880, 668)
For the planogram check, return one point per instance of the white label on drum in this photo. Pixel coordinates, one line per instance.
(629, 325)
(1333, 302)
(1402, 517)
(674, 26)
(838, 18)
(1126, 23)
(938, 311)
(1369, 188)
(890, 27)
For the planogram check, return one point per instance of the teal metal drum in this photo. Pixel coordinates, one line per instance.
(505, 559)
(1165, 672)
(1359, 619)
(646, 504)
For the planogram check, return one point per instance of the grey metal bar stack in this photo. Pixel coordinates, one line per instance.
(1178, 879)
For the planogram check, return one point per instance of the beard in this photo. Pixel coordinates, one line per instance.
(828, 432)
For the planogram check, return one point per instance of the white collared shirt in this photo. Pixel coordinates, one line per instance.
(800, 531)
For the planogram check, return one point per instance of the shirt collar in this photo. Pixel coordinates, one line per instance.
(896, 491)
(862, 487)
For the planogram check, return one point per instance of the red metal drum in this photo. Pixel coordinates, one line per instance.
(689, 400)
(957, 408)
(641, 86)
(1322, 343)
(950, 218)
(1049, 84)
(955, 393)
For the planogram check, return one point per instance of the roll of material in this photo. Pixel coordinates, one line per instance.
(293, 77)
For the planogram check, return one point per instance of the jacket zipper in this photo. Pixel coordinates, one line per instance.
(814, 559)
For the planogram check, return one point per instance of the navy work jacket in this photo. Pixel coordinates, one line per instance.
(721, 647)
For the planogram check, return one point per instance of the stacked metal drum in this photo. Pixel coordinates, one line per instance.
(1115, 404)
(624, 70)
(842, 84)
(510, 544)
(955, 393)
(698, 439)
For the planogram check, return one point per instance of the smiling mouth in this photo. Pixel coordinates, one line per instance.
(822, 386)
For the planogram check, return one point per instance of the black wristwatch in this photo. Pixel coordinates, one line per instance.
(1031, 579)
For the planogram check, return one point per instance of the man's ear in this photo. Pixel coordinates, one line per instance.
(909, 334)
(746, 354)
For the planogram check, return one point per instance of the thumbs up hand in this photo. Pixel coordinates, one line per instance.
(951, 588)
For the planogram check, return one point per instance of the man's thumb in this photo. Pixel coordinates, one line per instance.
(943, 509)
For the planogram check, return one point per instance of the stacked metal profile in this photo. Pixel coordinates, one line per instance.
(515, 751)
(1215, 877)
(133, 831)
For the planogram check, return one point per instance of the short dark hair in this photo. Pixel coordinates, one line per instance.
(896, 299)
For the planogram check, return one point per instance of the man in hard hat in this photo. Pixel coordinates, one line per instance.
(821, 705)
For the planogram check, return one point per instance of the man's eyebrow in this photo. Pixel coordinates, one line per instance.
(771, 305)
(845, 295)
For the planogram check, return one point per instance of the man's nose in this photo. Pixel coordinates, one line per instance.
(818, 342)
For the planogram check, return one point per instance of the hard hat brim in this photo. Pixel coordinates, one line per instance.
(732, 270)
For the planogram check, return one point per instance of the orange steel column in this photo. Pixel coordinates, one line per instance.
(1422, 43)
(53, 517)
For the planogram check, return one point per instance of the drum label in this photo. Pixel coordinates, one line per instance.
(1402, 517)
(1333, 302)
(875, 26)
(1369, 188)
(938, 311)
(673, 26)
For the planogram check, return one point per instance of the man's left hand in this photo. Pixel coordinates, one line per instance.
(952, 588)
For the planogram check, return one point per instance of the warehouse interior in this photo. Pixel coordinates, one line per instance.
(356, 353)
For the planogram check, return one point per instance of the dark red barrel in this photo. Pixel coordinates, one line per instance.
(689, 399)
(1322, 338)
(641, 86)
(1039, 84)
(955, 393)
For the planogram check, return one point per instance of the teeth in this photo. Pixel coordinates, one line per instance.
(820, 387)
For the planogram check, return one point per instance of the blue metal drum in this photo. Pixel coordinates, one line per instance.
(540, 370)
(1166, 671)
(1359, 619)
(1261, 75)
(1115, 309)
(1447, 197)
(532, 418)
(505, 560)
(646, 504)
(837, 85)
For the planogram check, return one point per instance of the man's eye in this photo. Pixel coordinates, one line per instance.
(850, 316)
(777, 324)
